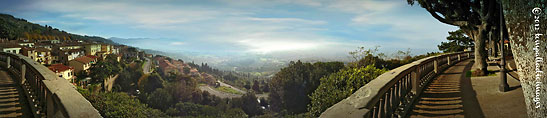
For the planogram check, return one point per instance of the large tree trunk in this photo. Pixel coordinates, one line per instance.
(480, 51)
(529, 48)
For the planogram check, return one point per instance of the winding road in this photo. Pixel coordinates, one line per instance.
(146, 67)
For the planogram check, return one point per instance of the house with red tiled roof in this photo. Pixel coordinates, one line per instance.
(63, 71)
(81, 63)
(95, 58)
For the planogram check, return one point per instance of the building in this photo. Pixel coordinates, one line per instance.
(10, 47)
(26, 44)
(81, 63)
(106, 48)
(67, 46)
(43, 55)
(95, 58)
(92, 48)
(44, 45)
(29, 52)
(65, 72)
(64, 56)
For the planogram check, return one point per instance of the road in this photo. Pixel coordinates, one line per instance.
(218, 93)
(146, 67)
(221, 94)
(230, 86)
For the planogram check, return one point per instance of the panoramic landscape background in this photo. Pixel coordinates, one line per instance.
(228, 34)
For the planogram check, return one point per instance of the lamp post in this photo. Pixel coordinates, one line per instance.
(503, 87)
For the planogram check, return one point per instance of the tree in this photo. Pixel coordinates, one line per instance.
(160, 99)
(186, 70)
(120, 105)
(250, 104)
(457, 41)
(526, 23)
(151, 83)
(475, 17)
(102, 70)
(256, 86)
(291, 86)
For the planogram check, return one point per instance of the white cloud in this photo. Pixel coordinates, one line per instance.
(363, 6)
(177, 43)
(287, 20)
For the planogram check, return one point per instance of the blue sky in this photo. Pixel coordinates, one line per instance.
(301, 27)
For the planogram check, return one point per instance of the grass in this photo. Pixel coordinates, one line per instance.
(228, 90)
(490, 73)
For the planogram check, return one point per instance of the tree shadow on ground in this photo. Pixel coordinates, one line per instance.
(449, 95)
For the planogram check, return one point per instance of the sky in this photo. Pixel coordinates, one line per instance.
(327, 28)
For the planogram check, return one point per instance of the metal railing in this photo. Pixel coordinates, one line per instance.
(392, 93)
(48, 95)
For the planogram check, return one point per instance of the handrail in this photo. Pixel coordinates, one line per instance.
(392, 93)
(47, 94)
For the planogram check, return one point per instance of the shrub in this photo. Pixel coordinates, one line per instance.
(340, 85)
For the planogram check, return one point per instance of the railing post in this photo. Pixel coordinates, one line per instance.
(50, 109)
(436, 65)
(8, 62)
(23, 69)
(448, 59)
(468, 55)
(416, 80)
(459, 57)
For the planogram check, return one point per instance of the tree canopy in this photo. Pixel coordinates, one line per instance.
(291, 86)
(457, 41)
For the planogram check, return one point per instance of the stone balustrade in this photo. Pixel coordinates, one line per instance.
(48, 95)
(392, 93)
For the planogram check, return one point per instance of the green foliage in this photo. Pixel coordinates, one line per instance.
(457, 41)
(188, 109)
(340, 85)
(102, 70)
(160, 99)
(120, 105)
(128, 79)
(227, 90)
(291, 86)
(14, 28)
(250, 104)
(151, 83)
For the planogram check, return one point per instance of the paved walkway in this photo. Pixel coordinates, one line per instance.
(12, 104)
(454, 95)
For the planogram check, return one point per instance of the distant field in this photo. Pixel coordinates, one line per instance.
(228, 90)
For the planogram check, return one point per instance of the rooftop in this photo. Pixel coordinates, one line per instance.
(59, 67)
(9, 45)
(84, 59)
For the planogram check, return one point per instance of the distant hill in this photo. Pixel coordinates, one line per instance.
(13, 28)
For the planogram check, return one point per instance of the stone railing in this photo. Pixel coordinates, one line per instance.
(48, 95)
(392, 93)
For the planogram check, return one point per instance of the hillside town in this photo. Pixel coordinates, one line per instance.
(66, 58)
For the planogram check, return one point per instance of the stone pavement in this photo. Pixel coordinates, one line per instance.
(452, 94)
(12, 104)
